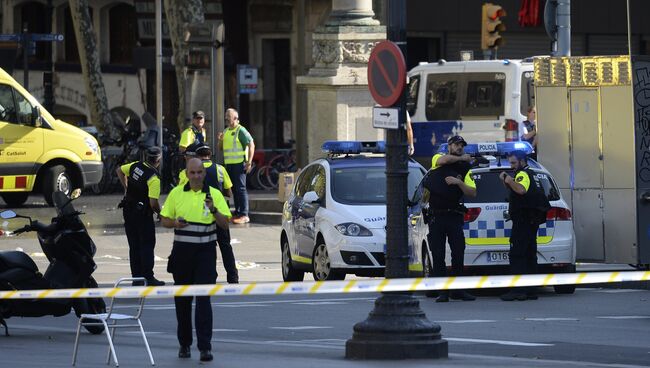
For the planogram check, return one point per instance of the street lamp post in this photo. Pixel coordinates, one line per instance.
(396, 328)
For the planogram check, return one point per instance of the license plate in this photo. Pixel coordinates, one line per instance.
(497, 257)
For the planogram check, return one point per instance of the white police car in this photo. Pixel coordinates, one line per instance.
(487, 229)
(334, 220)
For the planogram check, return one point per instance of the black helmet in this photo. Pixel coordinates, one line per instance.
(456, 139)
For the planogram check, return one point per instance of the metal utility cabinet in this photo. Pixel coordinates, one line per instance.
(593, 118)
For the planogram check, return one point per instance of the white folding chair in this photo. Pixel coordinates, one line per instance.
(112, 321)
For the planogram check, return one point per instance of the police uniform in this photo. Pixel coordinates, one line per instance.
(447, 214)
(193, 257)
(143, 183)
(217, 177)
(192, 135)
(527, 212)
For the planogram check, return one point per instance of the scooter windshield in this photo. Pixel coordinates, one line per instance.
(62, 203)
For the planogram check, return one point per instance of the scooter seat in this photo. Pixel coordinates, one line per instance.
(12, 259)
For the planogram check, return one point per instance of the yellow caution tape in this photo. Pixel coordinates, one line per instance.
(331, 287)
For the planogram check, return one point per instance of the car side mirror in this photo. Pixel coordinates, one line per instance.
(311, 197)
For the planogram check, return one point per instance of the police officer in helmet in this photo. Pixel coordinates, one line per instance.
(448, 181)
(142, 184)
(527, 208)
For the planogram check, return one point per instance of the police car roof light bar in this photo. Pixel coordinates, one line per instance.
(353, 147)
(498, 148)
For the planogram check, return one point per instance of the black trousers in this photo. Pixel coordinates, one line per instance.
(443, 227)
(194, 264)
(141, 236)
(227, 255)
(523, 245)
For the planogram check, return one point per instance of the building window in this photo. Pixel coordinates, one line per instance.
(32, 16)
(122, 30)
(70, 39)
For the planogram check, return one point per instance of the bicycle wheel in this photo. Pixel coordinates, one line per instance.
(262, 178)
(272, 176)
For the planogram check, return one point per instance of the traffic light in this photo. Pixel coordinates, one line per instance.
(491, 25)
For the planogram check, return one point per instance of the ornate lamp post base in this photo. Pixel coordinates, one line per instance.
(396, 329)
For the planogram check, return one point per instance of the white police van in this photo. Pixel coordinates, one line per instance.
(482, 100)
(334, 221)
(487, 229)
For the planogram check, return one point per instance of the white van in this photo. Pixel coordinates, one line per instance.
(482, 100)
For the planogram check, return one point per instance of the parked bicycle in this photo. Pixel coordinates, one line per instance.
(267, 175)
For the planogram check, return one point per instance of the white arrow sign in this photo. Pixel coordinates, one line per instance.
(385, 118)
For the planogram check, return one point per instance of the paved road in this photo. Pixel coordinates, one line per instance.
(256, 247)
(593, 328)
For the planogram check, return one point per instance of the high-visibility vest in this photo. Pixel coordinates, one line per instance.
(233, 151)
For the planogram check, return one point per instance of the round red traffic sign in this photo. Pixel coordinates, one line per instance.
(386, 73)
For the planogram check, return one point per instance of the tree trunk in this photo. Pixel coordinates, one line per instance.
(178, 14)
(100, 115)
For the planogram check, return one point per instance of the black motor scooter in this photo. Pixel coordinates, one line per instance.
(69, 249)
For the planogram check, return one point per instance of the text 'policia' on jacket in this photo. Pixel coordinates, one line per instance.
(39, 153)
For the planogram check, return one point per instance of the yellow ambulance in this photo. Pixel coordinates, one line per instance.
(39, 153)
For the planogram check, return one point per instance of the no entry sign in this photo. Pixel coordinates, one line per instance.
(386, 73)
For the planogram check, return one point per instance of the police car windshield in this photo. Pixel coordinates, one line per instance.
(367, 185)
(489, 188)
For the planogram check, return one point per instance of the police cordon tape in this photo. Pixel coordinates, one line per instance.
(331, 287)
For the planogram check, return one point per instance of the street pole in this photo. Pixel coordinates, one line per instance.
(159, 110)
(48, 75)
(25, 43)
(396, 328)
(213, 88)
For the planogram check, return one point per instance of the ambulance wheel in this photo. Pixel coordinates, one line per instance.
(15, 199)
(56, 179)
(289, 273)
(321, 265)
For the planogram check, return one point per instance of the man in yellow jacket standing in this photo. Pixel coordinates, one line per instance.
(238, 149)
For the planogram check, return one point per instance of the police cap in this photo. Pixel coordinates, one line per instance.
(191, 149)
(203, 150)
(198, 114)
(457, 139)
(153, 153)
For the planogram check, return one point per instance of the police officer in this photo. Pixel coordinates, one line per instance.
(142, 184)
(194, 211)
(528, 205)
(217, 177)
(195, 134)
(447, 183)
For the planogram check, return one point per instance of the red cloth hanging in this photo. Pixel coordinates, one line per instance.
(529, 13)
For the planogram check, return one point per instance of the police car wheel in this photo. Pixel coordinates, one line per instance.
(289, 273)
(427, 265)
(321, 265)
(427, 270)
